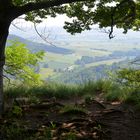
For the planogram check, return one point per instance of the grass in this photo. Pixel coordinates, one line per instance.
(95, 88)
(70, 136)
(56, 90)
(72, 109)
(16, 91)
(110, 91)
(133, 97)
(58, 65)
(49, 90)
(13, 131)
(46, 72)
(88, 99)
(106, 62)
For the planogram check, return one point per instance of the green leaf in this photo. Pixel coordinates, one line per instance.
(21, 63)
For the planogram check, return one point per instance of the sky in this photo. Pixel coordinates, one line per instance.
(49, 22)
(21, 27)
(53, 27)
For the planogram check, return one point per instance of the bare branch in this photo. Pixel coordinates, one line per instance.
(9, 81)
(16, 22)
(109, 32)
(43, 37)
(112, 24)
(17, 27)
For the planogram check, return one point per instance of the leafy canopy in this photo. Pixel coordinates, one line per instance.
(129, 77)
(84, 13)
(21, 63)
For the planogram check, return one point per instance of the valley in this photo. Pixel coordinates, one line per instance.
(70, 56)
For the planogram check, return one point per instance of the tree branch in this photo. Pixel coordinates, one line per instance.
(9, 81)
(43, 36)
(133, 14)
(41, 5)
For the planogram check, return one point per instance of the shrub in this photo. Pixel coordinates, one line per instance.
(117, 93)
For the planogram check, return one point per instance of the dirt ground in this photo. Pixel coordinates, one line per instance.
(101, 120)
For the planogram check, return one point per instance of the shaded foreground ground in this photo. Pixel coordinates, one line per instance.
(52, 119)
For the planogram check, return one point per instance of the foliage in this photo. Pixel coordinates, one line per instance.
(97, 87)
(47, 134)
(106, 89)
(124, 14)
(53, 125)
(21, 63)
(13, 131)
(70, 136)
(16, 111)
(129, 77)
(133, 98)
(16, 91)
(88, 98)
(46, 89)
(60, 91)
(82, 75)
(71, 109)
(34, 99)
(117, 93)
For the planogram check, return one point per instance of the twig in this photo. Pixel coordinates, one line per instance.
(9, 81)
(43, 37)
(17, 27)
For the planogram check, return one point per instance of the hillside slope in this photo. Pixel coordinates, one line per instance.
(34, 46)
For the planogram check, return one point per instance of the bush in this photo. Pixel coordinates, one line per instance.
(117, 93)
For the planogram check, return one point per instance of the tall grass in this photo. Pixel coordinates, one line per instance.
(58, 90)
(16, 91)
(55, 90)
(116, 93)
(47, 90)
(110, 91)
(96, 87)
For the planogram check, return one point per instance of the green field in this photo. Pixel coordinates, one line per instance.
(46, 72)
(106, 62)
(61, 62)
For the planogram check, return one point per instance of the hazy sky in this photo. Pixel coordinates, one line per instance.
(51, 25)
(58, 21)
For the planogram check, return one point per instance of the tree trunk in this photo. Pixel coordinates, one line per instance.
(7, 15)
(4, 27)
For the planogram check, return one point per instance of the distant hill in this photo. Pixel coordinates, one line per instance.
(34, 46)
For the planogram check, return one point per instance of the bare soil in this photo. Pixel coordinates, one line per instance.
(101, 121)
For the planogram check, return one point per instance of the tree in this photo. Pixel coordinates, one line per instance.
(122, 14)
(21, 63)
(129, 77)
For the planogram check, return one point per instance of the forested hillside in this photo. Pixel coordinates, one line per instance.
(79, 66)
(34, 46)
